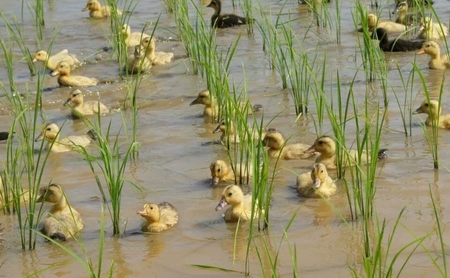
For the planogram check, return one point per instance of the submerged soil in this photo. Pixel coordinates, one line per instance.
(173, 162)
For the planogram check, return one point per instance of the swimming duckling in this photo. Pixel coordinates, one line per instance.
(432, 31)
(222, 171)
(390, 26)
(316, 183)
(278, 147)
(51, 134)
(82, 108)
(433, 110)
(65, 79)
(52, 61)
(97, 11)
(62, 221)
(226, 20)
(326, 146)
(397, 45)
(241, 205)
(132, 39)
(138, 62)
(158, 57)
(437, 61)
(158, 217)
(412, 3)
(228, 133)
(402, 14)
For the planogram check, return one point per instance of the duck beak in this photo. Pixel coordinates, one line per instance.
(215, 181)
(85, 9)
(311, 149)
(418, 110)
(40, 199)
(316, 183)
(34, 60)
(217, 129)
(194, 102)
(142, 213)
(421, 51)
(54, 73)
(40, 137)
(221, 204)
(67, 101)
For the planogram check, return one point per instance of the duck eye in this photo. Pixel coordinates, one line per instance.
(230, 194)
(49, 129)
(426, 104)
(218, 170)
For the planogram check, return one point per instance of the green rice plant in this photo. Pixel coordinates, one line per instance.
(170, 5)
(320, 11)
(248, 12)
(337, 24)
(36, 9)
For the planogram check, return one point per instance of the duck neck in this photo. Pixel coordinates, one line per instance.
(215, 16)
(60, 205)
(278, 144)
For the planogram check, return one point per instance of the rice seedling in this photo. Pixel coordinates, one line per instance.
(36, 9)
(170, 5)
(248, 13)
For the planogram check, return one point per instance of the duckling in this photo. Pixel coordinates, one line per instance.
(433, 110)
(82, 108)
(132, 39)
(241, 205)
(412, 3)
(51, 134)
(52, 61)
(226, 20)
(138, 62)
(397, 45)
(437, 61)
(228, 133)
(211, 107)
(222, 171)
(278, 147)
(62, 221)
(158, 217)
(432, 31)
(402, 14)
(65, 79)
(390, 26)
(158, 57)
(326, 146)
(316, 183)
(97, 11)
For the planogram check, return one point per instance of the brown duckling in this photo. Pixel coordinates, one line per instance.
(222, 171)
(241, 205)
(65, 79)
(84, 108)
(158, 218)
(156, 57)
(226, 20)
(437, 61)
(316, 183)
(278, 147)
(51, 134)
(138, 62)
(96, 11)
(62, 221)
(433, 110)
(52, 61)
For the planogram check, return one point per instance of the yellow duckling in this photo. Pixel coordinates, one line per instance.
(228, 133)
(211, 107)
(157, 57)
(278, 147)
(138, 62)
(52, 61)
(432, 31)
(65, 79)
(84, 108)
(316, 183)
(390, 26)
(326, 146)
(241, 206)
(158, 217)
(96, 11)
(433, 110)
(51, 134)
(62, 221)
(132, 39)
(222, 171)
(437, 61)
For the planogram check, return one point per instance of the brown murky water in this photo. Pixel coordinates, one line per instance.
(173, 163)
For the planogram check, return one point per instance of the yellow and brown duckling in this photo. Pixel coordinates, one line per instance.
(240, 204)
(132, 39)
(96, 11)
(62, 221)
(316, 183)
(211, 107)
(433, 110)
(51, 62)
(396, 45)
(158, 218)
(278, 147)
(65, 79)
(437, 61)
(226, 20)
(222, 171)
(51, 134)
(432, 31)
(229, 134)
(401, 9)
(156, 57)
(84, 108)
(326, 146)
(138, 62)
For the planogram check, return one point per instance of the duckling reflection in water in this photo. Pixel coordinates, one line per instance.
(62, 221)
(158, 218)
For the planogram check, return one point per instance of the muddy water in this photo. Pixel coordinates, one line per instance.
(173, 161)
